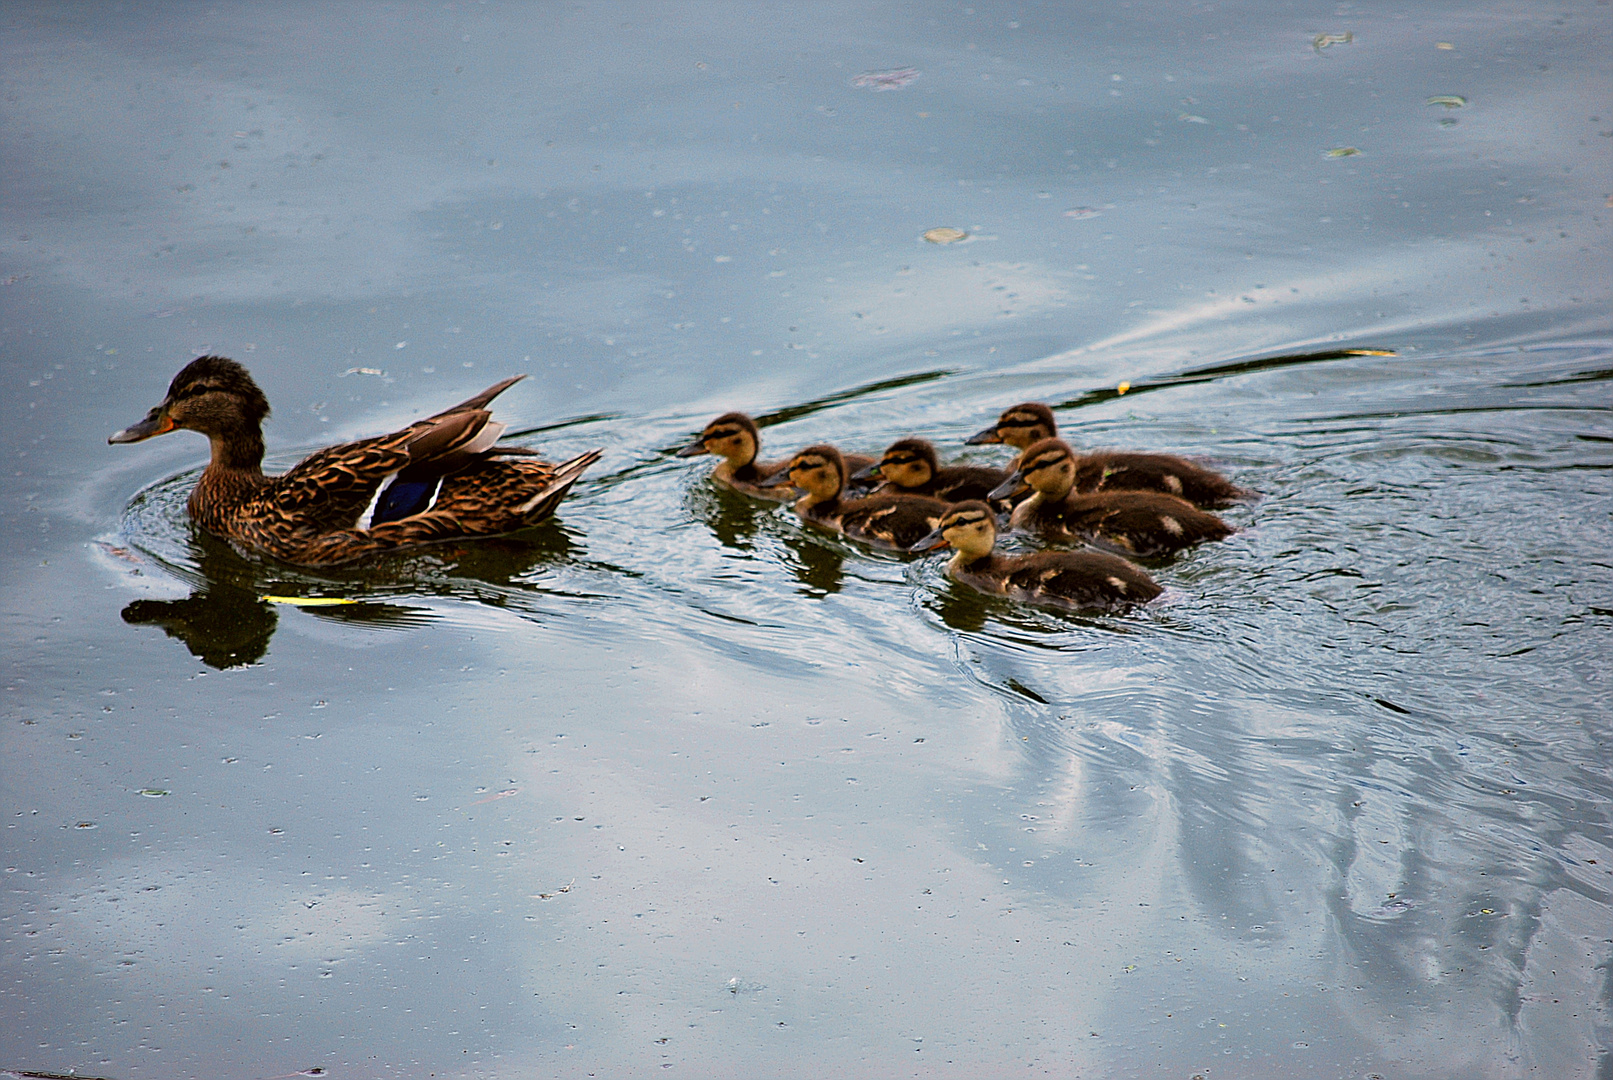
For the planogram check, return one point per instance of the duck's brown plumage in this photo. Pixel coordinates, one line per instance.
(734, 438)
(889, 521)
(1142, 523)
(1022, 426)
(911, 467)
(1081, 580)
(441, 478)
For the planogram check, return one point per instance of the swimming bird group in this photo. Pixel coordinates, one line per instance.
(1121, 504)
(447, 477)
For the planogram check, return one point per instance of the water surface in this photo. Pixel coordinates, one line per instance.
(675, 782)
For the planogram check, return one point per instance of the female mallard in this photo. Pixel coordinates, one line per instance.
(441, 478)
(1023, 425)
(910, 467)
(1139, 523)
(888, 521)
(1069, 579)
(734, 438)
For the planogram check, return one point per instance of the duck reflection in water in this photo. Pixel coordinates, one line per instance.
(227, 622)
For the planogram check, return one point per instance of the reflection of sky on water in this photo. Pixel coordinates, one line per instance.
(776, 799)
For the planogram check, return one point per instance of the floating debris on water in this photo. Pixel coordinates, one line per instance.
(1189, 118)
(85, 825)
(1443, 45)
(1079, 212)
(1322, 41)
(1122, 388)
(361, 371)
(1450, 101)
(877, 81)
(1342, 151)
(1370, 352)
(154, 792)
(945, 234)
(308, 601)
(563, 889)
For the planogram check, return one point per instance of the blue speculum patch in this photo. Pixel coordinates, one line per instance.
(404, 498)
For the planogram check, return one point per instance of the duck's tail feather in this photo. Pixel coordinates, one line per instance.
(542, 504)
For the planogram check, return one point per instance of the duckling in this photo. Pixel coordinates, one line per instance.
(1068, 579)
(1019, 426)
(886, 521)
(734, 438)
(1114, 470)
(910, 467)
(1140, 523)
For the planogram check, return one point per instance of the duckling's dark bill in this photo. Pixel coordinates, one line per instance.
(868, 472)
(1010, 487)
(932, 542)
(694, 449)
(778, 479)
(989, 435)
(156, 422)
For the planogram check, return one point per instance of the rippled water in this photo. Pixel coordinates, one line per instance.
(676, 782)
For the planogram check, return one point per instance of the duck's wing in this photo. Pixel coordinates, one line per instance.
(472, 404)
(335, 487)
(331, 488)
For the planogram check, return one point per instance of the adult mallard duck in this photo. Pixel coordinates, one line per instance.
(911, 467)
(1069, 579)
(441, 478)
(734, 438)
(1026, 424)
(1141, 523)
(887, 521)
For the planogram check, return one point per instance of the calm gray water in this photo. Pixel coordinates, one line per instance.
(673, 783)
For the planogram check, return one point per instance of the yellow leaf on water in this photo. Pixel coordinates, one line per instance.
(309, 601)
(1343, 151)
(945, 234)
(1450, 101)
(1370, 352)
(1122, 388)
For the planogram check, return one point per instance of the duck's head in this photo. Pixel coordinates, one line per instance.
(907, 463)
(969, 528)
(1019, 426)
(1046, 467)
(732, 436)
(819, 471)
(212, 395)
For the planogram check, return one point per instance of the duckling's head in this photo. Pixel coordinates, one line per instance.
(819, 471)
(1047, 467)
(1019, 426)
(907, 463)
(969, 528)
(212, 395)
(732, 436)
